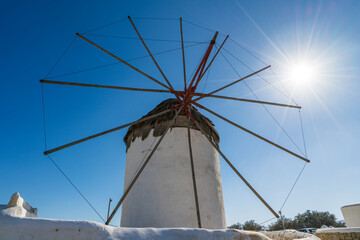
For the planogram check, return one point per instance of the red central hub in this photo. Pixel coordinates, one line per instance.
(189, 92)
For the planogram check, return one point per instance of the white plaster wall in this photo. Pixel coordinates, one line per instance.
(163, 195)
(44, 229)
(351, 214)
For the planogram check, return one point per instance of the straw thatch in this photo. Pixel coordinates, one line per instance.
(160, 123)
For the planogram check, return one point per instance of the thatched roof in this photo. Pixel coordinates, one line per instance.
(160, 123)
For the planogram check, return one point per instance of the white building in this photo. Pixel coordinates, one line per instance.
(163, 196)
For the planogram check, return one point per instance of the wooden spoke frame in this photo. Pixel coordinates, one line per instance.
(186, 99)
(235, 170)
(252, 133)
(193, 175)
(127, 190)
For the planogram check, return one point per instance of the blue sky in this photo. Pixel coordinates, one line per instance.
(324, 35)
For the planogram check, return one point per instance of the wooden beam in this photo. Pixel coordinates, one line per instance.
(239, 80)
(103, 86)
(252, 133)
(206, 57)
(126, 192)
(193, 176)
(104, 132)
(246, 100)
(183, 52)
(152, 57)
(236, 171)
(162, 91)
(217, 52)
(123, 61)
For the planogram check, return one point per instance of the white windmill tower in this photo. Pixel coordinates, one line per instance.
(177, 188)
(172, 171)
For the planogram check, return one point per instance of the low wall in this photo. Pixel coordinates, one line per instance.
(43, 229)
(289, 235)
(339, 233)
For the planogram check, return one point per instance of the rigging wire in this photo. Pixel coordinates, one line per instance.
(277, 78)
(301, 123)
(206, 28)
(43, 110)
(129, 60)
(136, 38)
(208, 72)
(267, 221)
(302, 132)
(195, 68)
(149, 18)
(292, 188)
(257, 74)
(297, 179)
(61, 56)
(57, 166)
(106, 25)
(82, 195)
(266, 109)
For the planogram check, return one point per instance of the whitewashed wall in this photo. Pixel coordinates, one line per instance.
(163, 195)
(351, 214)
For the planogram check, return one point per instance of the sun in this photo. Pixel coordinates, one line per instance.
(302, 73)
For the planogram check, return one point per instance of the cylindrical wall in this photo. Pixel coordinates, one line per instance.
(163, 195)
(351, 214)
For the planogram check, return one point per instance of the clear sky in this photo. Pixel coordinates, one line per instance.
(316, 40)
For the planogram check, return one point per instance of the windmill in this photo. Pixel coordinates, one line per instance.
(178, 113)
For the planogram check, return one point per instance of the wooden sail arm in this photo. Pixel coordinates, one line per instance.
(193, 175)
(104, 86)
(246, 100)
(148, 50)
(217, 52)
(180, 93)
(206, 57)
(252, 133)
(104, 132)
(123, 61)
(183, 53)
(235, 170)
(126, 192)
(239, 80)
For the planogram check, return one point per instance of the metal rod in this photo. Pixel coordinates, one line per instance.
(217, 52)
(239, 80)
(246, 100)
(254, 134)
(121, 60)
(142, 168)
(183, 52)
(104, 132)
(236, 171)
(148, 50)
(193, 176)
(108, 212)
(104, 86)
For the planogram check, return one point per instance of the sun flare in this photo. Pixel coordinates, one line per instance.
(302, 73)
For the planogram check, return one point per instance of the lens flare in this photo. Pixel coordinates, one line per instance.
(302, 73)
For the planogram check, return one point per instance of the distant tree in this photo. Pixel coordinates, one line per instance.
(316, 219)
(278, 225)
(308, 219)
(248, 225)
(236, 226)
(252, 226)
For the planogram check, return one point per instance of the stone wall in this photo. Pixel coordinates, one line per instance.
(289, 235)
(338, 233)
